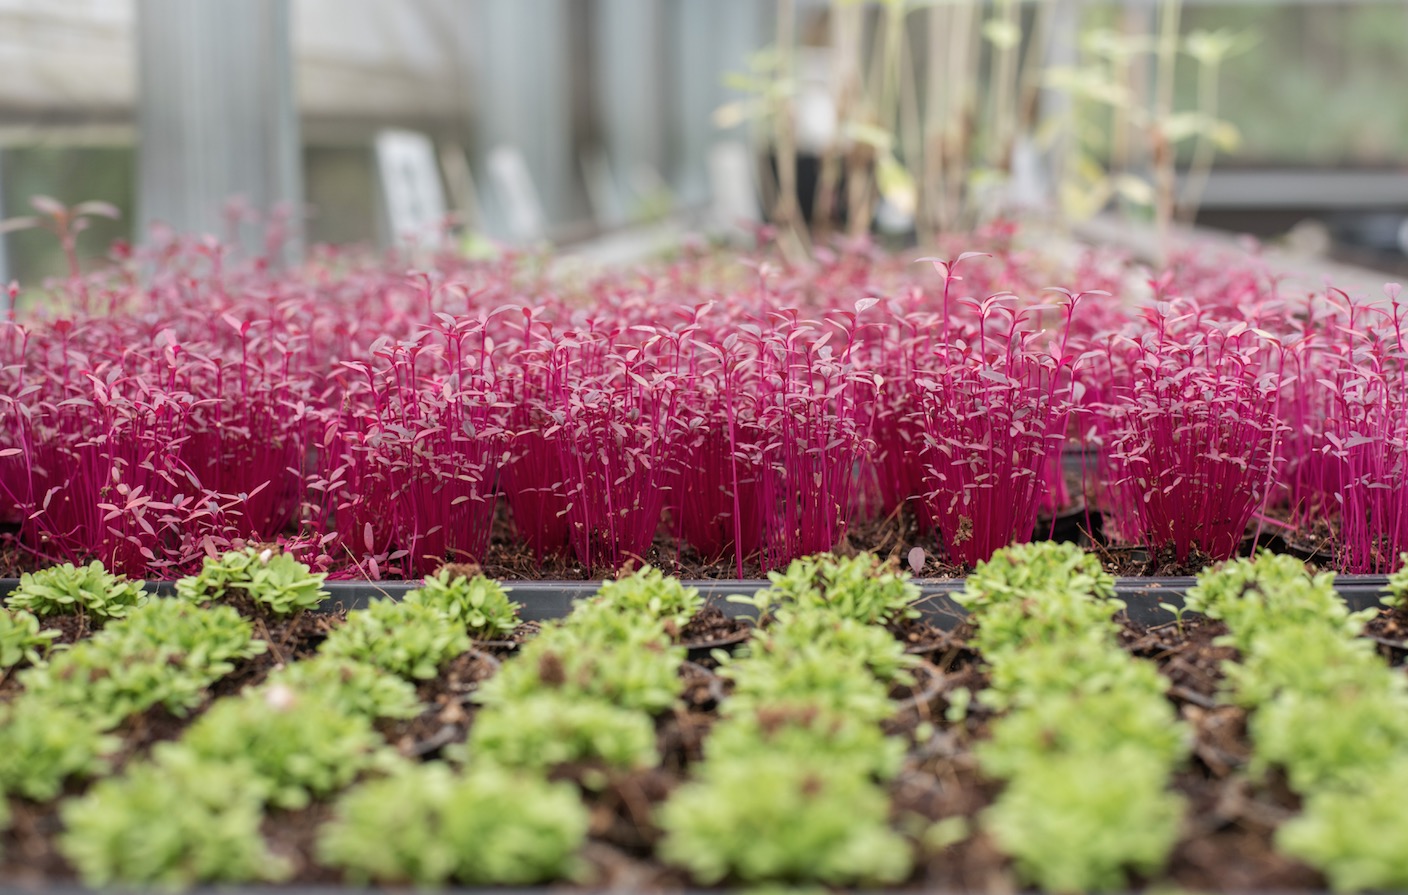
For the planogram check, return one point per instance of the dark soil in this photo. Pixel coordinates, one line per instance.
(502, 649)
(293, 836)
(1312, 540)
(289, 640)
(449, 708)
(1227, 841)
(509, 557)
(1137, 562)
(1389, 630)
(28, 857)
(1185, 654)
(892, 537)
(71, 628)
(922, 637)
(13, 561)
(709, 630)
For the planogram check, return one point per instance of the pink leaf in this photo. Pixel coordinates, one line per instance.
(48, 205)
(101, 209)
(916, 559)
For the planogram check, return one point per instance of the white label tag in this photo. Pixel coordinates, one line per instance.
(410, 184)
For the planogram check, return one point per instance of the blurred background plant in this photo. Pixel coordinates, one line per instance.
(615, 127)
(938, 115)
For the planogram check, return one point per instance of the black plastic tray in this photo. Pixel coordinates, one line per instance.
(543, 600)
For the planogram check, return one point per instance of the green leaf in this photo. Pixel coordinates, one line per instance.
(870, 135)
(1082, 202)
(1225, 136)
(21, 639)
(1134, 189)
(896, 184)
(468, 598)
(45, 745)
(408, 639)
(275, 581)
(777, 817)
(1182, 125)
(292, 745)
(1002, 34)
(550, 728)
(68, 589)
(174, 825)
(166, 652)
(427, 826)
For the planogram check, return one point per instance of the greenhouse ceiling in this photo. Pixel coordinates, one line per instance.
(71, 64)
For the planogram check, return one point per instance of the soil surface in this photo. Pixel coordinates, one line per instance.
(510, 558)
(1226, 845)
(892, 537)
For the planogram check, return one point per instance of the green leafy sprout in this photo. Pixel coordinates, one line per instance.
(275, 581)
(1077, 822)
(651, 593)
(44, 746)
(172, 825)
(428, 826)
(68, 589)
(1341, 831)
(807, 732)
(22, 640)
(1089, 741)
(480, 604)
(863, 588)
(352, 688)
(551, 728)
(411, 640)
(166, 652)
(294, 747)
(595, 653)
(779, 818)
(1324, 708)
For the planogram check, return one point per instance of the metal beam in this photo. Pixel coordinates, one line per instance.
(216, 116)
(712, 38)
(522, 86)
(1305, 188)
(630, 100)
(4, 249)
